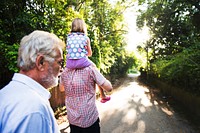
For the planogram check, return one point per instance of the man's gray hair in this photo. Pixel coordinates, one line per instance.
(34, 44)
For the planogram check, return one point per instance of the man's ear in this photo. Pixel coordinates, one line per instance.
(40, 62)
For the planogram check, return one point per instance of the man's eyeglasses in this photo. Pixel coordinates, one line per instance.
(61, 63)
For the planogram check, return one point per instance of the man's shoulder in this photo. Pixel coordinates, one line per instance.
(90, 68)
(85, 69)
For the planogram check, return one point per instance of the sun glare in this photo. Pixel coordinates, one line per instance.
(134, 37)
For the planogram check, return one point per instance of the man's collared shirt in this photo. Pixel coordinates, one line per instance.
(24, 107)
(81, 94)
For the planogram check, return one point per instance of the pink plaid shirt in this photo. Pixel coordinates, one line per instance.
(81, 95)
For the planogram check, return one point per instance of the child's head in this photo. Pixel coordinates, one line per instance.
(78, 25)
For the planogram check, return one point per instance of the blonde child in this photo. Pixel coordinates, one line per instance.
(79, 49)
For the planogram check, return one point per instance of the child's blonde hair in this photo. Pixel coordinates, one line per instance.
(78, 25)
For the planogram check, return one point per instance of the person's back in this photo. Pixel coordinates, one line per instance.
(78, 46)
(80, 92)
(78, 50)
(76, 43)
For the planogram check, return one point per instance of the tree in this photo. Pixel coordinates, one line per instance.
(106, 31)
(175, 34)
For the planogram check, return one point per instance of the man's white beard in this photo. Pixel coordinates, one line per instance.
(50, 80)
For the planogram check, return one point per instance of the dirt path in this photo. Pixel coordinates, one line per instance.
(132, 109)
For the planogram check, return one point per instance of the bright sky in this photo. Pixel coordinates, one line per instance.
(134, 37)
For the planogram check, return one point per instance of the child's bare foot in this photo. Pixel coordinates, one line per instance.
(105, 99)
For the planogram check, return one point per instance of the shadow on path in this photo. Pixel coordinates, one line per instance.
(134, 109)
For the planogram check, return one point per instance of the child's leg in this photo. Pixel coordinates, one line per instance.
(77, 63)
(102, 94)
(103, 97)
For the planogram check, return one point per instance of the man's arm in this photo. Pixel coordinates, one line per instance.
(101, 80)
(107, 86)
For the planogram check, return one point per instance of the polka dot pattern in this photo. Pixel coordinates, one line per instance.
(76, 43)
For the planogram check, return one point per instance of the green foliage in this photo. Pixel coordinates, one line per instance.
(8, 63)
(11, 53)
(182, 69)
(170, 24)
(9, 56)
(173, 50)
(122, 64)
(105, 30)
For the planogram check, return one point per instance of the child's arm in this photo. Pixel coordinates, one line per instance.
(89, 49)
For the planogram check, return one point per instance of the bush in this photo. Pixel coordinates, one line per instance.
(182, 70)
(8, 63)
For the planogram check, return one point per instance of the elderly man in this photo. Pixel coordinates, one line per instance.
(24, 105)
